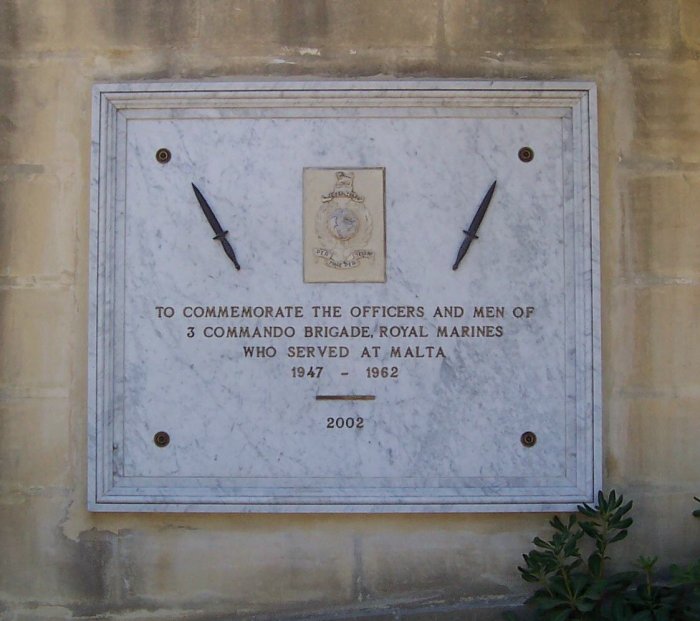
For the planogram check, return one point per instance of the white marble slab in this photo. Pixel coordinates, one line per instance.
(172, 350)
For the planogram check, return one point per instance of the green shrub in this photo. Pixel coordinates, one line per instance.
(571, 571)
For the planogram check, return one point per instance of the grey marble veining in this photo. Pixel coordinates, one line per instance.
(249, 433)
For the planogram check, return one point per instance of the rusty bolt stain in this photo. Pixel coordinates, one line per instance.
(526, 154)
(161, 439)
(163, 156)
(528, 439)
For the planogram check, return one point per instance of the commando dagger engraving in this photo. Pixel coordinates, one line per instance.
(470, 233)
(216, 227)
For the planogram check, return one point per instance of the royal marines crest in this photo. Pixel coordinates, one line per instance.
(344, 225)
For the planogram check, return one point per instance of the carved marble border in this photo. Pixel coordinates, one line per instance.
(115, 104)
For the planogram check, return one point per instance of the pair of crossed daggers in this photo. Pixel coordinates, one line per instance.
(470, 233)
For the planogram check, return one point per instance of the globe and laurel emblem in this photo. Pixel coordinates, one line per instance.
(343, 225)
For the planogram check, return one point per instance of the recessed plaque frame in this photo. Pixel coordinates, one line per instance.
(352, 364)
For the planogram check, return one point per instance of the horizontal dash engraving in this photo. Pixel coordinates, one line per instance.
(345, 397)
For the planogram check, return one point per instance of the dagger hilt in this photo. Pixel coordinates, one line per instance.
(220, 236)
(472, 235)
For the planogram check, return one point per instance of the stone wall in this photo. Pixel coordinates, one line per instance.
(59, 561)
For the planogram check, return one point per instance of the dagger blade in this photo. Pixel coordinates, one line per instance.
(216, 227)
(470, 233)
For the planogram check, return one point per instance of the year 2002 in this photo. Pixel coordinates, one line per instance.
(345, 422)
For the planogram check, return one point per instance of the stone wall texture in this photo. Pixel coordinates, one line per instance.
(58, 561)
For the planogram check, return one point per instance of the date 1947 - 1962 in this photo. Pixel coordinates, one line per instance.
(372, 372)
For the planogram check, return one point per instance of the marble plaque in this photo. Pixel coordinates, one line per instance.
(376, 296)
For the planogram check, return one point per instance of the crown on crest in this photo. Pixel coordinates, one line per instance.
(344, 188)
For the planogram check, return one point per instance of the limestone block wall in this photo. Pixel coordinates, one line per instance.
(58, 561)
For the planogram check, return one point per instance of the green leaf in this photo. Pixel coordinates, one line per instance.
(556, 523)
(587, 510)
(558, 586)
(686, 575)
(597, 589)
(619, 537)
(540, 543)
(590, 529)
(562, 615)
(647, 562)
(575, 564)
(528, 577)
(580, 582)
(594, 564)
(622, 510)
(548, 603)
(585, 605)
